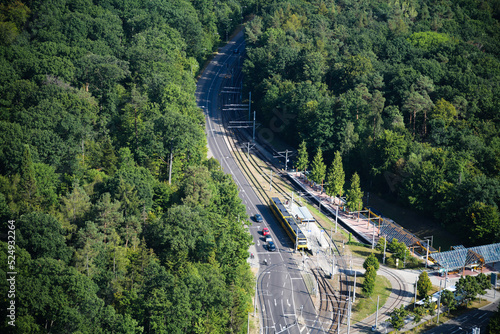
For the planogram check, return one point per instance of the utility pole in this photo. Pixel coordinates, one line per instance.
(280, 155)
(249, 104)
(253, 136)
(333, 263)
(336, 218)
(338, 323)
(354, 290)
(271, 181)
(439, 300)
(373, 237)
(385, 244)
(349, 315)
(415, 300)
(286, 160)
(296, 240)
(255, 299)
(376, 315)
(427, 256)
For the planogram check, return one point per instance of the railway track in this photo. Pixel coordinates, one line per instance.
(333, 300)
(398, 297)
(333, 305)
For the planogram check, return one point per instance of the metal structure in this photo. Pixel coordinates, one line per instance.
(463, 257)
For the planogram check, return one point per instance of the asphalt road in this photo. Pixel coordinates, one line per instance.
(467, 321)
(283, 300)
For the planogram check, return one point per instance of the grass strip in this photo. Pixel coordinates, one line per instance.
(365, 306)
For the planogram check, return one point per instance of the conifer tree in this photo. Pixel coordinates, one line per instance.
(318, 169)
(336, 177)
(424, 284)
(303, 157)
(355, 195)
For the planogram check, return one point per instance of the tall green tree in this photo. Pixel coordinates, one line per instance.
(27, 183)
(469, 287)
(355, 195)
(449, 300)
(424, 284)
(318, 169)
(369, 282)
(42, 236)
(335, 178)
(484, 222)
(302, 158)
(75, 207)
(398, 317)
(176, 133)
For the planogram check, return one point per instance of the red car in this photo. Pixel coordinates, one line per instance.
(265, 231)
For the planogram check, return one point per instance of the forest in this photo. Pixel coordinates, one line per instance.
(406, 91)
(121, 223)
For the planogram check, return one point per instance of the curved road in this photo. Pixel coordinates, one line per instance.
(284, 304)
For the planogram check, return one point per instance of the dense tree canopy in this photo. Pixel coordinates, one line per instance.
(122, 224)
(404, 90)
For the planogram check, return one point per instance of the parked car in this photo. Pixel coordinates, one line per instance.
(258, 218)
(265, 231)
(271, 246)
(268, 238)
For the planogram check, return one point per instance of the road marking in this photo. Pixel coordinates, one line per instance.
(284, 283)
(288, 303)
(275, 304)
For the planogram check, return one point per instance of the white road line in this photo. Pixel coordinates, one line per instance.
(272, 319)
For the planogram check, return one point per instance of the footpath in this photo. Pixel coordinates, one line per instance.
(367, 232)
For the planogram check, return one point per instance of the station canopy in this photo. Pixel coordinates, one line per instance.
(462, 257)
(302, 213)
(391, 230)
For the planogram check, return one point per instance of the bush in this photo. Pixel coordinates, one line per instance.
(371, 261)
(369, 282)
(413, 262)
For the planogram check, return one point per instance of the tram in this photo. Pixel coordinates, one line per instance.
(288, 223)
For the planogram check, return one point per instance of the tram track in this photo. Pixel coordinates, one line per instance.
(337, 300)
(258, 164)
